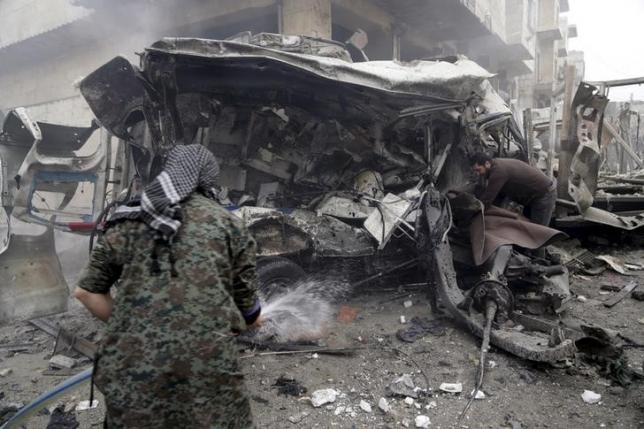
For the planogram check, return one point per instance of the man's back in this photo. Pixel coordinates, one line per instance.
(170, 335)
(515, 179)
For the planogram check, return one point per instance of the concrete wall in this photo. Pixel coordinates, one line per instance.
(22, 19)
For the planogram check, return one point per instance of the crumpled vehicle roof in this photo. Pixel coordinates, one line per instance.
(433, 79)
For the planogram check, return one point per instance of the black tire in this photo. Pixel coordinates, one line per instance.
(277, 275)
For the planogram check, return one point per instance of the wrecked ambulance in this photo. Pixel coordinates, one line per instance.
(338, 167)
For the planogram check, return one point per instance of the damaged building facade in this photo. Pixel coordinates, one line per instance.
(524, 42)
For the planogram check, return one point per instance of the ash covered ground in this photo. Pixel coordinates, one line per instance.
(519, 394)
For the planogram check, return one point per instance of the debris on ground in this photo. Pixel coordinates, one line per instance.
(289, 386)
(421, 326)
(384, 406)
(614, 263)
(323, 396)
(5, 372)
(403, 387)
(422, 421)
(621, 294)
(62, 361)
(451, 387)
(638, 295)
(591, 397)
(85, 405)
(365, 406)
(61, 419)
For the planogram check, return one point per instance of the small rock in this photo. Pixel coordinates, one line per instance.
(451, 387)
(314, 356)
(403, 320)
(5, 372)
(384, 405)
(417, 405)
(422, 421)
(297, 418)
(338, 411)
(409, 401)
(479, 394)
(323, 396)
(431, 405)
(582, 298)
(591, 397)
(405, 423)
(603, 292)
(61, 361)
(364, 405)
(641, 321)
(408, 303)
(610, 288)
(491, 364)
(84, 405)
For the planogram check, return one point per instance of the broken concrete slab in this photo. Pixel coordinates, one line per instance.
(62, 361)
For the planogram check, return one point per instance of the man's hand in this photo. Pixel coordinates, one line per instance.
(99, 304)
(256, 324)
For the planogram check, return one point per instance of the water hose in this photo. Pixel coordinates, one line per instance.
(47, 398)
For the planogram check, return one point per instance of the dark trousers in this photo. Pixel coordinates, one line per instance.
(540, 208)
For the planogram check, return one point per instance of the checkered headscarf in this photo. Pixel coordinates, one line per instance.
(188, 168)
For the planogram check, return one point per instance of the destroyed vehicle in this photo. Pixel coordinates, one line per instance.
(337, 167)
(47, 184)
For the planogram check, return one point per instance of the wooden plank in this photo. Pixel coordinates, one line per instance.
(621, 294)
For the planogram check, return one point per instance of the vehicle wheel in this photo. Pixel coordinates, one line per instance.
(277, 275)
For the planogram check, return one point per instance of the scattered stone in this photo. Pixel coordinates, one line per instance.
(297, 418)
(408, 303)
(402, 386)
(384, 405)
(364, 405)
(403, 320)
(314, 356)
(422, 421)
(405, 423)
(85, 405)
(431, 405)
(409, 401)
(323, 396)
(591, 397)
(491, 364)
(638, 295)
(61, 361)
(338, 411)
(582, 298)
(641, 321)
(479, 394)
(451, 387)
(604, 293)
(610, 288)
(5, 372)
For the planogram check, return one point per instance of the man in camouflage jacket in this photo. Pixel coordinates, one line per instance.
(168, 358)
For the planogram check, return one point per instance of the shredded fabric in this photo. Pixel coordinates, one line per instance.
(189, 168)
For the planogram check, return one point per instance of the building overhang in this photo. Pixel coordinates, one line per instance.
(549, 33)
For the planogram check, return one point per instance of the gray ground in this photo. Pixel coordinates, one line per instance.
(518, 392)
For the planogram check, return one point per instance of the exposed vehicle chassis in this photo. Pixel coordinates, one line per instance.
(339, 167)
